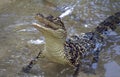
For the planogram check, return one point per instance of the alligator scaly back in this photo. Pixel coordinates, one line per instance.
(80, 51)
(83, 50)
(110, 23)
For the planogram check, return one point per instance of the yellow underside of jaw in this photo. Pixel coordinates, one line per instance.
(54, 48)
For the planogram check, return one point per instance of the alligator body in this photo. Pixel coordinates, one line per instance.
(77, 50)
(89, 44)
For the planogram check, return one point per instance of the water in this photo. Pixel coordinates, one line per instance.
(20, 42)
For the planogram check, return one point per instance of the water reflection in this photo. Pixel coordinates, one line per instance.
(112, 69)
(18, 38)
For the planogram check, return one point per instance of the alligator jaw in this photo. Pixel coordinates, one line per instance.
(41, 28)
(47, 22)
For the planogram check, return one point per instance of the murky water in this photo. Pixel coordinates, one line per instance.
(20, 42)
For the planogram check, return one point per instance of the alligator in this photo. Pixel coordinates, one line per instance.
(79, 51)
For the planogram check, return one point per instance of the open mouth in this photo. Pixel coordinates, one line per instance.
(47, 21)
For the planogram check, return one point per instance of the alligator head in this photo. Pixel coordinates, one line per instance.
(51, 26)
(55, 35)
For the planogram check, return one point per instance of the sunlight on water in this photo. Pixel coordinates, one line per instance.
(38, 41)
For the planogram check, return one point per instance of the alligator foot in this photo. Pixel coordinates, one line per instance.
(76, 72)
(26, 69)
(31, 64)
(29, 67)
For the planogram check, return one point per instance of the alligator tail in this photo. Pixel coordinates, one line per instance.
(110, 23)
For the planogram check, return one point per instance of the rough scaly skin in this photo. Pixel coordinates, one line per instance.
(77, 47)
(78, 50)
(85, 48)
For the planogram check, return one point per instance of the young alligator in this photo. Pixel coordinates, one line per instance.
(79, 51)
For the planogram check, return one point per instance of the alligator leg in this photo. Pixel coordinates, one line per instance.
(76, 72)
(95, 62)
(31, 64)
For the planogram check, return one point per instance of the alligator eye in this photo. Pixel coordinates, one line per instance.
(50, 17)
(58, 18)
(40, 15)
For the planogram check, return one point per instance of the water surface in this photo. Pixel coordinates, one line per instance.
(20, 42)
